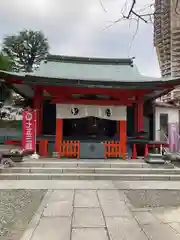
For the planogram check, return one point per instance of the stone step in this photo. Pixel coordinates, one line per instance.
(155, 161)
(37, 170)
(84, 164)
(89, 176)
(155, 155)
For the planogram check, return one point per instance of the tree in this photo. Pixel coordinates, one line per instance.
(27, 49)
(5, 91)
(5, 63)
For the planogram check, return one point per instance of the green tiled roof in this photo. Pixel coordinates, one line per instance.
(82, 71)
(89, 72)
(92, 69)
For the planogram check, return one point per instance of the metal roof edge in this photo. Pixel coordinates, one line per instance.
(89, 82)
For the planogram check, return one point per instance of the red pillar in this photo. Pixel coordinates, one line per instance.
(123, 137)
(59, 134)
(139, 115)
(38, 106)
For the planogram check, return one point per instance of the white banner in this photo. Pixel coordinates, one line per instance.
(65, 111)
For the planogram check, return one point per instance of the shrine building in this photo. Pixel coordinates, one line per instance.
(90, 107)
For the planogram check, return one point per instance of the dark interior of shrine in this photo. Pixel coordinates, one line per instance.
(90, 128)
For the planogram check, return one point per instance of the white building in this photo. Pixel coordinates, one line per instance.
(164, 115)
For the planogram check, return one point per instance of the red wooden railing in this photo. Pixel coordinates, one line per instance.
(113, 149)
(70, 149)
(146, 148)
(134, 151)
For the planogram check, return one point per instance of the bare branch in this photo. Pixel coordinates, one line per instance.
(134, 35)
(102, 5)
(139, 16)
(131, 9)
(124, 8)
(132, 12)
(114, 22)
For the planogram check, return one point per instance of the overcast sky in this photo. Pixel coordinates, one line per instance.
(79, 28)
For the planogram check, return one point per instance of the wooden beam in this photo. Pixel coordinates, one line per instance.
(56, 91)
(93, 102)
(15, 81)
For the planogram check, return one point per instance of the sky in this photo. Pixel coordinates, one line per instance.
(83, 28)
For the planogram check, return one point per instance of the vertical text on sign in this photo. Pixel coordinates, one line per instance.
(28, 140)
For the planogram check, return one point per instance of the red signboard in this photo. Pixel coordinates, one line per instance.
(28, 139)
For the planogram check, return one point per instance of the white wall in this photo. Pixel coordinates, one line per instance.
(173, 117)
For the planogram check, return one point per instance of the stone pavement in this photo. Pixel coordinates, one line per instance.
(76, 214)
(86, 184)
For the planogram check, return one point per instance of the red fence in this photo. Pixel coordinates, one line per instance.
(113, 150)
(70, 149)
(148, 148)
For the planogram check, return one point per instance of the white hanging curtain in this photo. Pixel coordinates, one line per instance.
(65, 111)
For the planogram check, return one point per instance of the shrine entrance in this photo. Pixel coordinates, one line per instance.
(92, 133)
(89, 128)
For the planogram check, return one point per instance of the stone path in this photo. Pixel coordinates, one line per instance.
(85, 184)
(77, 214)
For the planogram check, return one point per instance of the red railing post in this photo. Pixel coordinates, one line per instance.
(146, 150)
(134, 152)
(78, 155)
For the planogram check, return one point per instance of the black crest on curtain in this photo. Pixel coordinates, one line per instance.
(74, 111)
(108, 112)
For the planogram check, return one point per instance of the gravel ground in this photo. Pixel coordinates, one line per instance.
(17, 208)
(153, 198)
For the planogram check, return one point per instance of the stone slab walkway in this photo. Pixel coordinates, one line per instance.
(102, 214)
(81, 184)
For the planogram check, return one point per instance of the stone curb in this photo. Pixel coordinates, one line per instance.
(36, 218)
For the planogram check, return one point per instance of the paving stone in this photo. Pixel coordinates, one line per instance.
(88, 217)
(175, 226)
(144, 217)
(111, 195)
(121, 228)
(62, 195)
(167, 215)
(58, 209)
(115, 209)
(157, 231)
(86, 198)
(89, 234)
(53, 228)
